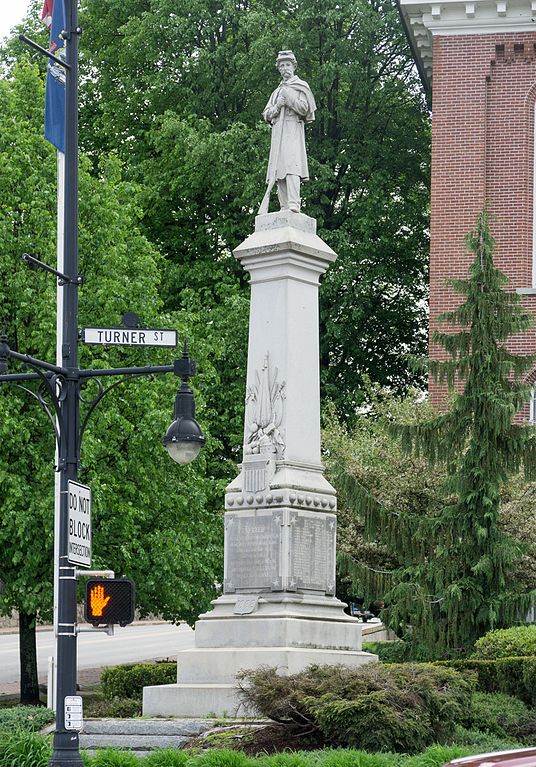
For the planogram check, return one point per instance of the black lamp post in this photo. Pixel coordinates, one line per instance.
(61, 386)
(184, 438)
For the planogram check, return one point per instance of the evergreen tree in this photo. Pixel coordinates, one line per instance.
(455, 575)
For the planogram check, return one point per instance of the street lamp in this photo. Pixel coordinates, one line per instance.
(62, 387)
(184, 438)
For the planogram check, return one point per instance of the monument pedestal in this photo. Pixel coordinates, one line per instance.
(279, 607)
(288, 633)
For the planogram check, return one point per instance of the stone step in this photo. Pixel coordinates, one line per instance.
(187, 727)
(141, 735)
(133, 742)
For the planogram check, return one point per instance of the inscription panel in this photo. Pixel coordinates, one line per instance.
(253, 552)
(312, 552)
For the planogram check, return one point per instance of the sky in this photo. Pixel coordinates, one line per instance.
(11, 13)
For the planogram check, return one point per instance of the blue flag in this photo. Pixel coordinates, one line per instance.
(55, 95)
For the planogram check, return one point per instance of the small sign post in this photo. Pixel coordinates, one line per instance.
(129, 337)
(73, 712)
(79, 535)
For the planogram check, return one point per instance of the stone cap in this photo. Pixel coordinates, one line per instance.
(285, 239)
(281, 218)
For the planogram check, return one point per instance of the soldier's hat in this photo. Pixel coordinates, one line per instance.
(286, 56)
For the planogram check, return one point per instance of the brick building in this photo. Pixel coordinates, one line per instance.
(477, 61)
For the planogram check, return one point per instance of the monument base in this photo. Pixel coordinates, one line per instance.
(286, 631)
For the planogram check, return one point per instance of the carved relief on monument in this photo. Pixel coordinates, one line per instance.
(265, 405)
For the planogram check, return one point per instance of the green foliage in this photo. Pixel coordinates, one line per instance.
(152, 520)
(389, 652)
(393, 708)
(504, 643)
(454, 573)
(372, 473)
(30, 718)
(110, 757)
(223, 758)
(24, 749)
(513, 676)
(166, 758)
(192, 82)
(127, 681)
(120, 708)
(369, 721)
(502, 715)
(484, 742)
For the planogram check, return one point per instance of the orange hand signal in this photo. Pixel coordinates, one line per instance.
(98, 601)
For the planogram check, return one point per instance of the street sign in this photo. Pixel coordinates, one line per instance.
(79, 533)
(129, 337)
(109, 601)
(73, 712)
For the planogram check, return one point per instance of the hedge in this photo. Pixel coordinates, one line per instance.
(128, 681)
(513, 676)
(515, 642)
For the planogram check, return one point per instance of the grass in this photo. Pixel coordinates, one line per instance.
(27, 749)
(30, 718)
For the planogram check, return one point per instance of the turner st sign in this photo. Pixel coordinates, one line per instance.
(129, 337)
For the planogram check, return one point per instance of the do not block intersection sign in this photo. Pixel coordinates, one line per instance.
(79, 534)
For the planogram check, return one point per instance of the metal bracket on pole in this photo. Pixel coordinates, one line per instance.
(68, 577)
(63, 279)
(62, 633)
(44, 51)
(109, 629)
(94, 573)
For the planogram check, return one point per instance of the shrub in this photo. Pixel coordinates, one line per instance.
(24, 749)
(122, 708)
(30, 718)
(502, 715)
(371, 722)
(483, 742)
(389, 652)
(128, 681)
(513, 676)
(402, 707)
(507, 643)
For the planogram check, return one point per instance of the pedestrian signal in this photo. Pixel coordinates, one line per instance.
(109, 601)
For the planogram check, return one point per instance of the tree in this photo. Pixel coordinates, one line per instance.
(455, 577)
(177, 89)
(153, 520)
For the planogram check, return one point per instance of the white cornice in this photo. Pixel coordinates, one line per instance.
(423, 20)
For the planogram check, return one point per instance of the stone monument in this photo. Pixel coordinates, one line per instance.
(278, 606)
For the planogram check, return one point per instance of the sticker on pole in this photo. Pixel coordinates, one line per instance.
(79, 533)
(73, 712)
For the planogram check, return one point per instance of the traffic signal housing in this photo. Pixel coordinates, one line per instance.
(110, 601)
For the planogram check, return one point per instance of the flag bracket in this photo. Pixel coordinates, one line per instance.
(63, 279)
(44, 51)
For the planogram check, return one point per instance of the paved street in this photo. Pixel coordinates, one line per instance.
(133, 643)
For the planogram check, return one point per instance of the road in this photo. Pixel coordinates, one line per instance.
(137, 642)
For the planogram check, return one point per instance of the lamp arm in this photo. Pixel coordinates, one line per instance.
(45, 407)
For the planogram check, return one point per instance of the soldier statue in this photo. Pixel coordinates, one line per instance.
(290, 106)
